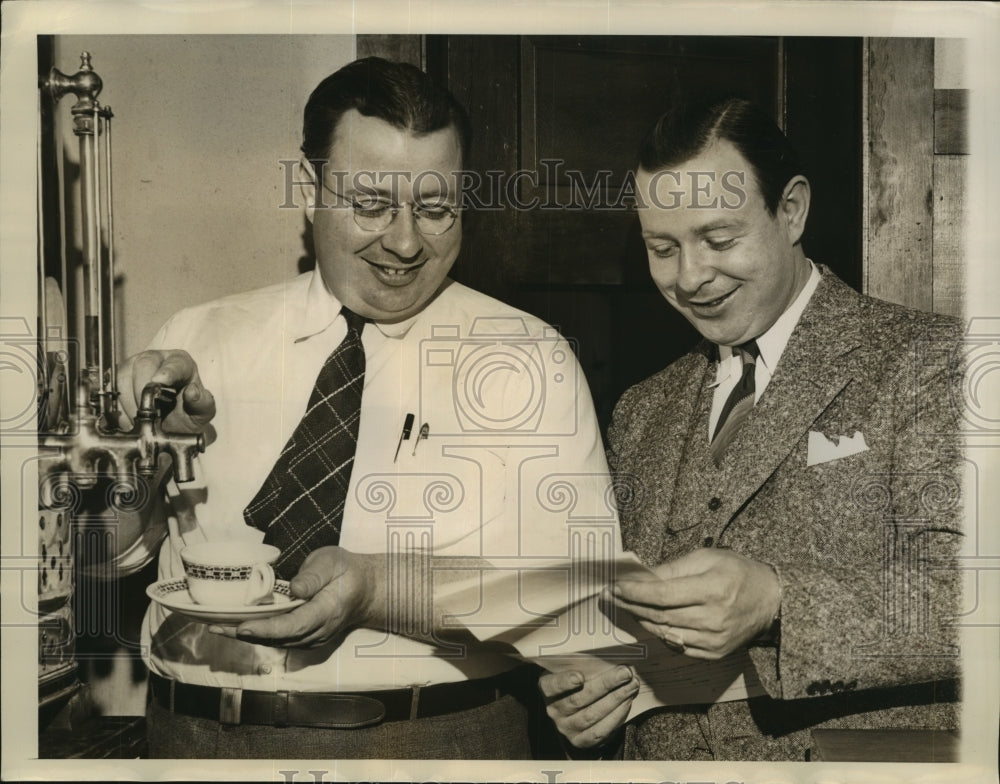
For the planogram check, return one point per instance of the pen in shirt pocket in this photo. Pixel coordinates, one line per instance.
(405, 435)
(425, 430)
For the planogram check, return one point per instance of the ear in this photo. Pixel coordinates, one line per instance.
(306, 180)
(794, 207)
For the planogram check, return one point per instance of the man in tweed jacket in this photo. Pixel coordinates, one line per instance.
(821, 538)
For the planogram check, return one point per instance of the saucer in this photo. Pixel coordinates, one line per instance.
(173, 594)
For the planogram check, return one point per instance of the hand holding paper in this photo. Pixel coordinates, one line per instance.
(558, 615)
(708, 603)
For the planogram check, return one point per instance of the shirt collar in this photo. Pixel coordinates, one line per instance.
(772, 343)
(322, 309)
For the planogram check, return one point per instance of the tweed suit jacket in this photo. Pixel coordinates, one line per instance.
(862, 544)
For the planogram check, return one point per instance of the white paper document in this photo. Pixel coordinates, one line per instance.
(552, 613)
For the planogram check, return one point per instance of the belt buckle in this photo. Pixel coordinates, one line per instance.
(230, 704)
(350, 712)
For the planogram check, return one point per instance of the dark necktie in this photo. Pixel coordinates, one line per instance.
(739, 404)
(300, 506)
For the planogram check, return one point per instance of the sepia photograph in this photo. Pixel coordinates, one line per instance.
(463, 392)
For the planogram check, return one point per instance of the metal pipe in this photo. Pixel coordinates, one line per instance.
(86, 85)
(111, 380)
(43, 309)
(99, 439)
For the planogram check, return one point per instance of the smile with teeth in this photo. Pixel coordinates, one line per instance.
(711, 303)
(395, 271)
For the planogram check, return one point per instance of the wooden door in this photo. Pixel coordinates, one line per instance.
(558, 119)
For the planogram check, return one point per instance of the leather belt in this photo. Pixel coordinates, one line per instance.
(334, 710)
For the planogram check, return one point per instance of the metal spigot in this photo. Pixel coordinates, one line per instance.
(93, 450)
(181, 447)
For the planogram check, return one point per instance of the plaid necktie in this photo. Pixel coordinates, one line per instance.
(739, 404)
(300, 506)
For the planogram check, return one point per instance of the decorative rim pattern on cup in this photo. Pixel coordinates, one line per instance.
(180, 584)
(223, 573)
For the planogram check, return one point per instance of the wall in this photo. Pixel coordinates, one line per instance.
(200, 125)
(951, 160)
(916, 172)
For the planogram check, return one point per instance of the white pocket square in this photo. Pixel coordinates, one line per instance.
(823, 450)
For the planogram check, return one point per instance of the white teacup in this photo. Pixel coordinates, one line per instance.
(229, 573)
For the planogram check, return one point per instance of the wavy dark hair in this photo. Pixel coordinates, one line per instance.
(399, 93)
(685, 131)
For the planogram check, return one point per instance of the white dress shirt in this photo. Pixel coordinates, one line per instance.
(511, 426)
(771, 344)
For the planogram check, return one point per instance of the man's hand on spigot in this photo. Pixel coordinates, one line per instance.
(195, 405)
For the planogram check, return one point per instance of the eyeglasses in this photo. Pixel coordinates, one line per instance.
(374, 213)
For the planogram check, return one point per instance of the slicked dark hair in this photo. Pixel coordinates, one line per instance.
(685, 131)
(398, 93)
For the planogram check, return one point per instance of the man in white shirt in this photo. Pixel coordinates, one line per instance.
(802, 464)
(470, 410)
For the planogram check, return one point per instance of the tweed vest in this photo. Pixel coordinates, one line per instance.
(697, 518)
(698, 512)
